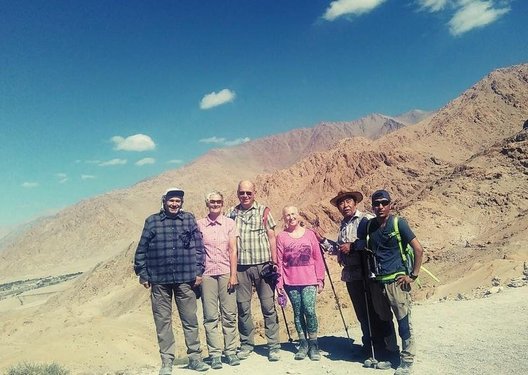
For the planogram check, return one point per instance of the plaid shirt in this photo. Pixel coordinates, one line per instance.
(253, 242)
(170, 251)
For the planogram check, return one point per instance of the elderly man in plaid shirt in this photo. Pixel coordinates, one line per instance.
(256, 249)
(170, 260)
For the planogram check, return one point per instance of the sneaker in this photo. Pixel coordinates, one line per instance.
(273, 355)
(243, 353)
(404, 368)
(232, 360)
(302, 352)
(198, 365)
(166, 367)
(313, 352)
(216, 363)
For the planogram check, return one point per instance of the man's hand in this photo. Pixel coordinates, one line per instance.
(145, 283)
(198, 281)
(404, 282)
(345, 248)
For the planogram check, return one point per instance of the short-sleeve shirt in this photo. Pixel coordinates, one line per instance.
(216, 236)
(253, 242)
(384, 243)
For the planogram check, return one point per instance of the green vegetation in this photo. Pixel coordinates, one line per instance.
(26, 368)
(18, 287)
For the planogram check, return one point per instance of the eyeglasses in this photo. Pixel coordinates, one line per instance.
(218, 201)
(248, 193)
(380, 203)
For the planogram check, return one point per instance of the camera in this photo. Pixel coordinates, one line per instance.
(269, 273)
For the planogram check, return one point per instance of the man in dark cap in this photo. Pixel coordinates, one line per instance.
(388, 236)
(354, 274)
(170, 260)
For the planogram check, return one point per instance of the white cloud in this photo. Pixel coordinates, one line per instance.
(63, 177)
(473, 14)
(30, 185)
(224, 142)
(215, 99)
(87, 177)
(432, 5)
(175, 161)
(340, 8)
(93, 161)
(145, 161)
(212, 140)
(136, 142)
(237, 141)
(112, 162)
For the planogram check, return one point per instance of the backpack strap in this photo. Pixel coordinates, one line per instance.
(398, 237)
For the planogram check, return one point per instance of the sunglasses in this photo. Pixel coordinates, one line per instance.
(380, 203)
(248, 193)
(213, 201)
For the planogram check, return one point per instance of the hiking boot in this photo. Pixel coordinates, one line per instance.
(273, 355)
(216, 363)
(243, 353)
(166, 367)
(404, 368)
(198, 365)
(232, 360)
(302, 352)
(313, 352)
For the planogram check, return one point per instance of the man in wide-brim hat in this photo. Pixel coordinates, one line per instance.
(383, 335)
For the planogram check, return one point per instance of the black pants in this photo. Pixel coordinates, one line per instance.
(380, 328)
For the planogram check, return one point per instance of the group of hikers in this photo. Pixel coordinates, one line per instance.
(223, 257)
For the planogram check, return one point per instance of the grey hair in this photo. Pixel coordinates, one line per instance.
(209, 195)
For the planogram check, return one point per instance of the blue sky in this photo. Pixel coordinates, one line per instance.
(98, 95)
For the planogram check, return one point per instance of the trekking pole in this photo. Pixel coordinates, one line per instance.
(370, 362)
(335, 295)
(290, 340)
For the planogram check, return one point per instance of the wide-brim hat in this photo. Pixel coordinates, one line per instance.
(356, 195)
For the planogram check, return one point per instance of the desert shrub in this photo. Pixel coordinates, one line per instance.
(27, 368)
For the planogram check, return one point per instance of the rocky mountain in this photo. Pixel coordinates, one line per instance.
(95, 229)
(459, 177)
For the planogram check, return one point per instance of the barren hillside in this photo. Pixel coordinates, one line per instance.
(460, 177)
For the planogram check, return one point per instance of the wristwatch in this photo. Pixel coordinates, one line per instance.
(413, 276)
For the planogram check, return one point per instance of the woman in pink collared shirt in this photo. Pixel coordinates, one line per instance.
(219, 281)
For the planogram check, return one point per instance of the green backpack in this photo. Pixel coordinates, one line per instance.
(407, 254)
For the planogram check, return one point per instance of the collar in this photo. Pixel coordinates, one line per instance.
(356, 215)
(218, 221)
(163, 215)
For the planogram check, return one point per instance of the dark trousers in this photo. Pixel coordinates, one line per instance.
(380, 329)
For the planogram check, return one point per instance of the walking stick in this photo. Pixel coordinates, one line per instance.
(335, 295)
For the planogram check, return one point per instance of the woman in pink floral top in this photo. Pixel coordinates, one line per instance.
(301, 266)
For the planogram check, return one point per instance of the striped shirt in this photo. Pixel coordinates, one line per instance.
(253, 242)
(170, 250)
(216, 236)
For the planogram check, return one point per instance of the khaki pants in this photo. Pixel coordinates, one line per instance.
(391, 295)
(214, 290)
(161, 298)
(247, 277)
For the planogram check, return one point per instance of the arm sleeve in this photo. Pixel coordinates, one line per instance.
(406, 233)
(140, 259)
(199, 247)
(280, 268)
(361, 242)
(318, 259)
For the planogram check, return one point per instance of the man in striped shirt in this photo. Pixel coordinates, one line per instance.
(256, 248)
(170, 260)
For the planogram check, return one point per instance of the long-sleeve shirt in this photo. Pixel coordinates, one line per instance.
(216, 237)
(300, 260)
(170, 250)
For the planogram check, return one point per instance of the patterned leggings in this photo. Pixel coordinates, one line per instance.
(303, 299)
